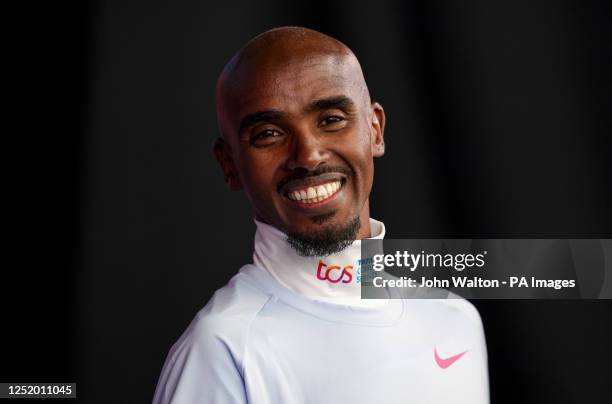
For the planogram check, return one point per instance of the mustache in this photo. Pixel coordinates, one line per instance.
(303, 173)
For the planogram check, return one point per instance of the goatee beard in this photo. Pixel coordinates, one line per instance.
(329, 240)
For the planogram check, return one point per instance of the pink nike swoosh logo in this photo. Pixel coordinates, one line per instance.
(444, 363)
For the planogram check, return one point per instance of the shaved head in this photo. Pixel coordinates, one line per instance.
(274, 50)
(285, 44)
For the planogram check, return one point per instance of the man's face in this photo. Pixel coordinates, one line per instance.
(302, 140)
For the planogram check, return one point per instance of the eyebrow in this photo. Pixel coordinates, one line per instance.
(262, 116)
(338, 101)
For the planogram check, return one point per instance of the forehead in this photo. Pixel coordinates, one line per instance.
(291, 85)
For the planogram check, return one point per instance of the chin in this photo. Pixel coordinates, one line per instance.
(323, 222)
(324, 239)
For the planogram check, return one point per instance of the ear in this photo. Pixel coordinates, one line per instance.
(378, 130)
(223, 154)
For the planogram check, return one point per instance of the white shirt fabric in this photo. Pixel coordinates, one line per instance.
(270, 337)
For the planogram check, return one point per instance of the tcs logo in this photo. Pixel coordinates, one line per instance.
(334, 273)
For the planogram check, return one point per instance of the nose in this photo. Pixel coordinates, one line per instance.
(307, 152)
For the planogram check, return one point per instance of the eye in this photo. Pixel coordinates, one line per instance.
(330, 120)
(266, 137)
(333, 123)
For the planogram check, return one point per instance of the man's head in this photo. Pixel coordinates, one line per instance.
(299, 133)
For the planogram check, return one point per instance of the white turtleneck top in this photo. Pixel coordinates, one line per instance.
(290, 329)
(311, 276)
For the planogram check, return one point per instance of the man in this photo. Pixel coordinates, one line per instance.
(299, 134)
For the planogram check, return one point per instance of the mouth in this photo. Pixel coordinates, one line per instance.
(315, 194)
(315, 191)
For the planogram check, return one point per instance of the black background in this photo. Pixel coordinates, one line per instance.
(498, 126)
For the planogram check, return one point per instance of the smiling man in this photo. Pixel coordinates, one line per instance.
(299, 136)
(299, 133)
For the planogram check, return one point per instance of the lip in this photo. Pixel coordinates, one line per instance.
(303, 183)
(316, 205)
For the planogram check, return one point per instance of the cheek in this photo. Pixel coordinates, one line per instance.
(258, 177)
(362, 158)
(365, 167)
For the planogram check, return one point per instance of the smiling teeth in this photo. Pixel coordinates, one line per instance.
(315, 194)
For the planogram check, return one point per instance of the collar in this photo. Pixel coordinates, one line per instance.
(335, 278)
